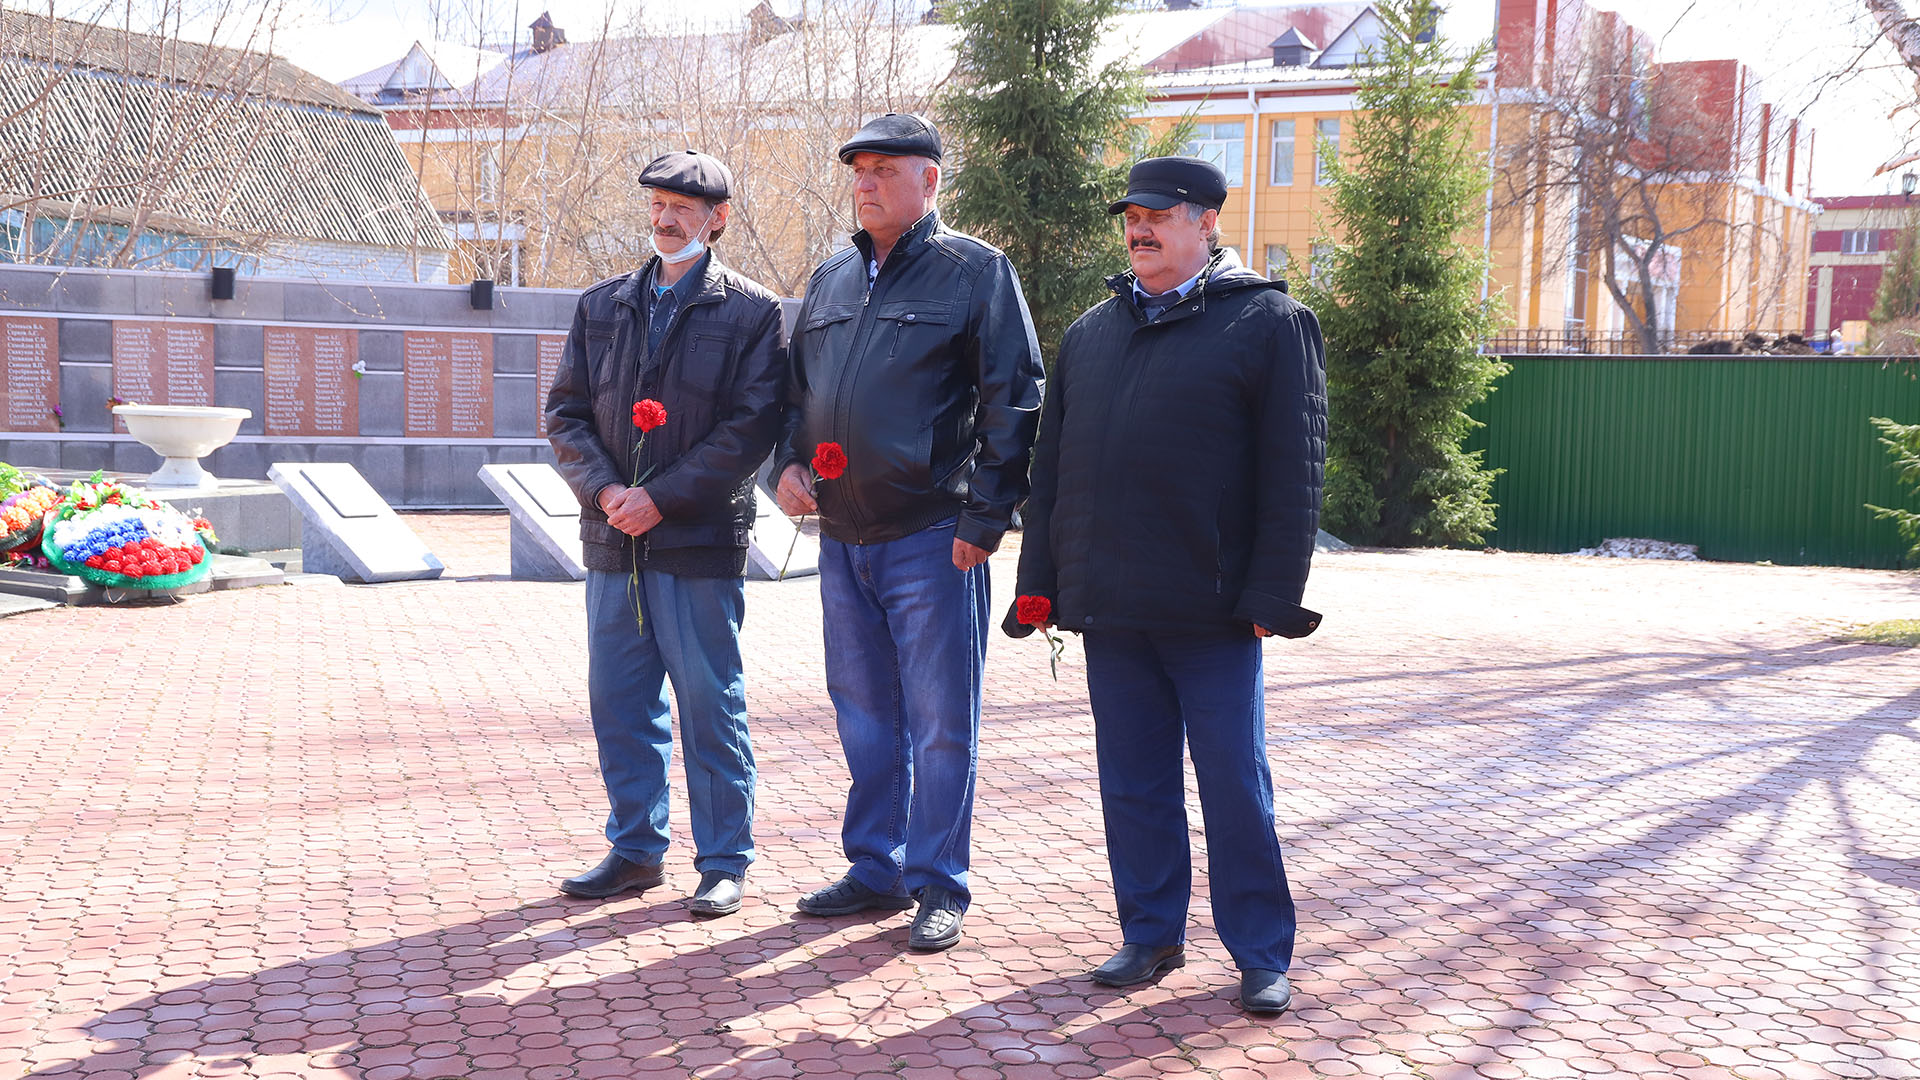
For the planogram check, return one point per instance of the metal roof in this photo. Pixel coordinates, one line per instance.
(110, 126)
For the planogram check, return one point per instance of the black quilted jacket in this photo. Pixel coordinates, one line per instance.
(1177, 477)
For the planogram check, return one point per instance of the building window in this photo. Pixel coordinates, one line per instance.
(1224, 144)
(1282, 152)
(1276, 261)
(1857, 242)
(1320, 263)
(1327, 149)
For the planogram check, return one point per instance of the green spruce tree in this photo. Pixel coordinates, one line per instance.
(1903, 442)
(1897, 302)
(1043, 140)
(1399, 299)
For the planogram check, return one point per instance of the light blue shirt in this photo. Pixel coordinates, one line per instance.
(1181, 290)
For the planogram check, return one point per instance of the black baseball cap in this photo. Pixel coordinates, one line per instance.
(896, 135)
(689, 172)
(1160, 183)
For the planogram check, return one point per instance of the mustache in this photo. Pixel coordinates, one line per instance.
(672, 231)
(1136, 245)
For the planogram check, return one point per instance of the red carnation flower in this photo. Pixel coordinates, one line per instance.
(829, 461)
(1034, 610)
(648, 414)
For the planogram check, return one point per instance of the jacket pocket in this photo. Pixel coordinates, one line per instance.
(914, 326)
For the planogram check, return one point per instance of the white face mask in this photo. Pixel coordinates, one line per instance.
(695, 246)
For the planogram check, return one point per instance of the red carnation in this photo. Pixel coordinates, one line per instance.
(1034, 610)
(829, 461)
(648, 414)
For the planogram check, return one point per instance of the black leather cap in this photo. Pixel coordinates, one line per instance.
(1159, 183)
(689, 172)
(896, 135)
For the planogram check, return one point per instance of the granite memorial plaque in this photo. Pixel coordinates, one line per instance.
(30, 365)
(449, 384)
(349, 530)
(544, 527)
(310, 386)
(549, 352)
(159, 362)
(776, 549)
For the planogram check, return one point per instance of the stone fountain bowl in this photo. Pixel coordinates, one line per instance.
(182, 434)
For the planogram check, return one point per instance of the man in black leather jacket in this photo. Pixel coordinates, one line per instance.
(664, 523)
(913, 351)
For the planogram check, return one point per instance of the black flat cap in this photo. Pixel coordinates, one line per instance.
(689, 172)
(1162, 182)
(896, 135)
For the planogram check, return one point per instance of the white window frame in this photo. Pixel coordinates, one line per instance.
(1276, 176)
(1221, 151)
(1857, 242)
(1325, 130)
(1277, 260)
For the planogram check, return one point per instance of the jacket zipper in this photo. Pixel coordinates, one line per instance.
(844, 398)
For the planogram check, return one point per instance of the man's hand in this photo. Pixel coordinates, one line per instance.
(629, 509)
(967, 556)
(794, 495)
(1261, 631)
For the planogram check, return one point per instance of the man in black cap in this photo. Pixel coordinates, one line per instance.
(664, 522)
(1176, 495)
(912, 350)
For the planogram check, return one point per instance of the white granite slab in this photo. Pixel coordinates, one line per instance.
(350, 531)
(545, 521)
(773, 537)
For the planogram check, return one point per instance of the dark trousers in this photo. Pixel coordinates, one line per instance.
(1151, 691)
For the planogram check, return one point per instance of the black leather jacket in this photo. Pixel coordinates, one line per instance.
(930, 382)
(720, 371)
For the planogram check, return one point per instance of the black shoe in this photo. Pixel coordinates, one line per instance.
(937, 926)
(719, 894)
(847, 896)
(1135, 964)
(1263, 991)
(613, 876)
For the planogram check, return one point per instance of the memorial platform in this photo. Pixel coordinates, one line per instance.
(1536, 827)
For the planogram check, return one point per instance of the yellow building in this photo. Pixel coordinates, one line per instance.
(1723, 246)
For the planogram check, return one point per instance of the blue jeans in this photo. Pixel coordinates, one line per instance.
(906, 637)
(691, 636)
(1148, 691)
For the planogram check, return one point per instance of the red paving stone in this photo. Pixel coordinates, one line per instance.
(1546, 817)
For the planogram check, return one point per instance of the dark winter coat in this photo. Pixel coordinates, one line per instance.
(721, 373)
(1177, 478)
(930, 381)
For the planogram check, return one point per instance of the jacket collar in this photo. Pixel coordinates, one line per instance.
(1219, 276)
(708, 286)
(910, 241)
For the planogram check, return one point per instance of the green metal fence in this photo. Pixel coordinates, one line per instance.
(1752, 458)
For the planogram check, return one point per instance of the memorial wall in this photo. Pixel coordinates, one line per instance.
(408, 383)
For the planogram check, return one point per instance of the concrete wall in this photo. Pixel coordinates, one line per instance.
(417, 472)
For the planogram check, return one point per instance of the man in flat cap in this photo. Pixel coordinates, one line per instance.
(913, 351)
(664, 523)
(1176, 495)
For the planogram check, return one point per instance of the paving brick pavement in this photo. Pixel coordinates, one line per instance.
(1545, 817)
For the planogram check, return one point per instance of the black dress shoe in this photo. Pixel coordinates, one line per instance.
(847, 896)
(1135, 964)
(613, 876)
(1263, 991)
(937, 926)
(719, 894)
